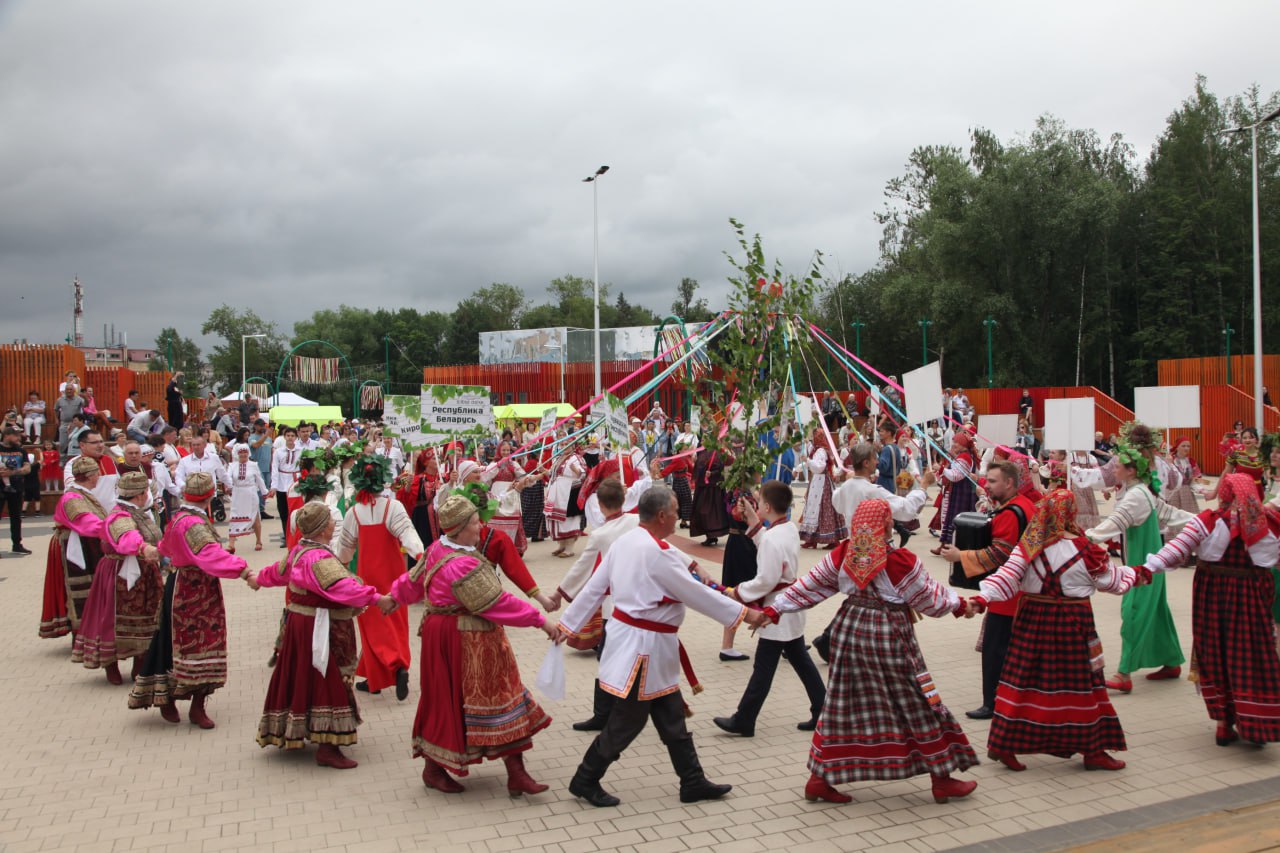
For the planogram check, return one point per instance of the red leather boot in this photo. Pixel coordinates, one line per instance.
(945, 788)
(329, 755)
(198, 715)
(434, 776)
(818, 789)
(518, 779)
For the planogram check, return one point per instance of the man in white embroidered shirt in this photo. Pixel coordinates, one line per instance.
(640, 664)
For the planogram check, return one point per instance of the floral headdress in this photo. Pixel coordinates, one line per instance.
(369, 477)
(1132, 456)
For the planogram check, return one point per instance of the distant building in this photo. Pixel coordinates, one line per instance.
(121, 356)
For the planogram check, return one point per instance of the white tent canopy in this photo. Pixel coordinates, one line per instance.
(285, 398)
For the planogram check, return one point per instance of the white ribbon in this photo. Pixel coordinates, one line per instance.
(130, 571)
(320, 641)
(75, 551)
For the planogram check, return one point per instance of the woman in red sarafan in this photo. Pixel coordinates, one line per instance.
(473, 705)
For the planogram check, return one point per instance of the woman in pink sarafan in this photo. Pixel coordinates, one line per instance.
(122, 612)
(473, 705)
(187, 658)
(311, 696)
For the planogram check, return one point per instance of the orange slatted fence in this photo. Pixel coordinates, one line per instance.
(1213, 371)
(111, 385)
(24, 367)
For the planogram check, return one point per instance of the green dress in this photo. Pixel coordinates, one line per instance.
(1148, 636)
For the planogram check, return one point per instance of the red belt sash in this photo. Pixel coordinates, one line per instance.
(686, 665)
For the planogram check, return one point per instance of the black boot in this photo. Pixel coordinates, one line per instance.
(734, 727)
(586, 780)
(601, 704)
(822, 645)
(694, 785)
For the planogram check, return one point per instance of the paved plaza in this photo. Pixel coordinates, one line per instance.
(84, 773)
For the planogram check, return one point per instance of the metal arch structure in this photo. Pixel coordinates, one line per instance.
(264, 380)
(355, 388)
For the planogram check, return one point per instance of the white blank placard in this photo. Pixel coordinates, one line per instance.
(1068, 424)
(996, 430)
(1168, 406)
(923, 390)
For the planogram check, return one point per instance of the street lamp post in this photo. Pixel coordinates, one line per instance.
(857, 326)
(1227, 333)
(925, 323)
(243, 376)
(594, 180)
(1257, 272)
(990, 323)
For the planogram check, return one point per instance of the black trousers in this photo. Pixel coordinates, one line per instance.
(996, 633)
(13, 505)
(282, 512)
(628, 717)
(766, 665)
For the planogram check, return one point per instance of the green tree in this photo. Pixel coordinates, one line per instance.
(494, 308)
(262, 355)
(186, 358)
(686, 307)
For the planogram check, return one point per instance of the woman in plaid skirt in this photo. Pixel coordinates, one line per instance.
(1052, 698)
(1231, 626)
(883, 718)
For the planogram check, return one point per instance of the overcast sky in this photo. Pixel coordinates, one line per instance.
(289, 156)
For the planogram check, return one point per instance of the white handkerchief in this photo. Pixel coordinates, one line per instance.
(130, 571)
(320, 641)
(75, 552)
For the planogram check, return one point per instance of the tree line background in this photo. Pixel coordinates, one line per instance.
(1093, 263)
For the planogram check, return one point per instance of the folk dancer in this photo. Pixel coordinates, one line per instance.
(564, 518)
(778, 561)
(1231, 612)
(1011, 513)
(651, 587)
(380, 527)
(1051, 698)
(247, 487)
(820, 523)
(75, 548)
(1148, 635)
(473, 705)
(310, 697)
(187, 658)
(593, 634)
(122, 612)
(883, 718)
(959, 493)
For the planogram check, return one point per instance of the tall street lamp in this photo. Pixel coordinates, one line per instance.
(1257, 272)
(925, 323)
(243, 377)
(857, 326)
(594, 180)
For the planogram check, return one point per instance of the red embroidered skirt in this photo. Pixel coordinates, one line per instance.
(473, 705)
(882, 719)
(118, 622)
(1233, 640)
(303, 705)
(1051, 697)
(54, 621)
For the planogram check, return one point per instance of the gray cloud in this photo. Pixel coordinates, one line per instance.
(291, 156)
